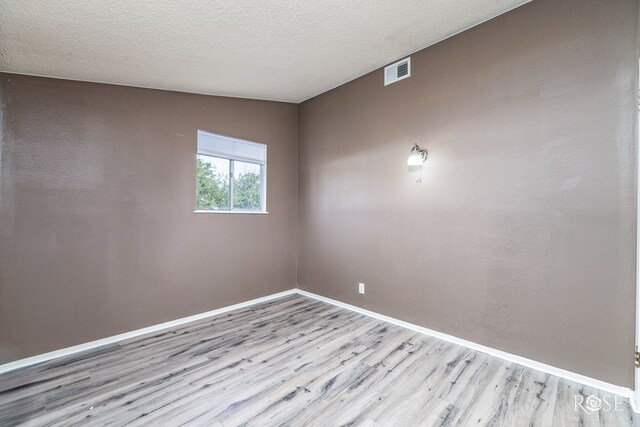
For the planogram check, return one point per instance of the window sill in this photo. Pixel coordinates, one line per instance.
(231, 212)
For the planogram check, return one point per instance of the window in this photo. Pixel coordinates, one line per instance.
(231, 174)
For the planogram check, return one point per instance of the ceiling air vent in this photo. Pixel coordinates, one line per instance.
(397, 71)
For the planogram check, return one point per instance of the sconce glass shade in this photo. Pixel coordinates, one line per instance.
(416, 156)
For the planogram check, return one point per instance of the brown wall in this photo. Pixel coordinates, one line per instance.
(521, 235)
(97, 192)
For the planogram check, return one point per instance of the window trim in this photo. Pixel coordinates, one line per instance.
(238, 211)
(263, 175)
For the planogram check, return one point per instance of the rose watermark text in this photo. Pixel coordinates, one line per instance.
(593, 403)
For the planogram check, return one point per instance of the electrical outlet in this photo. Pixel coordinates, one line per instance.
(361, 288)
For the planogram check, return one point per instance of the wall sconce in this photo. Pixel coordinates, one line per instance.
(416, 156)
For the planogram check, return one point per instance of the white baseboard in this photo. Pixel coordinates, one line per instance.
(591, 382)
(127, 335)
(572, 376)
(635, 398)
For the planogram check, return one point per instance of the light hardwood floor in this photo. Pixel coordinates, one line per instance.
(294, 361)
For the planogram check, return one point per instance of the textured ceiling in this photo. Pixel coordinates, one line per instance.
(266, 49)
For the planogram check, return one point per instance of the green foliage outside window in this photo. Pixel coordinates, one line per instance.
(246, 189)
(213, 189)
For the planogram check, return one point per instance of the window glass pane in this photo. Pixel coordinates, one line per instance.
(247, 186)
(212, 183)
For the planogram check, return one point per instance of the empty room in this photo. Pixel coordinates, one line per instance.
(319, 213)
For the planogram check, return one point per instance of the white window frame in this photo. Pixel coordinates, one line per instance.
(232, 159)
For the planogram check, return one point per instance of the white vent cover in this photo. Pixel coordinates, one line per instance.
(397, 71)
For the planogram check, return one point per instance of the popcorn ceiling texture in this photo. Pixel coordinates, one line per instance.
(276, 50)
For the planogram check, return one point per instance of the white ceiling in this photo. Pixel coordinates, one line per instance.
(265, 49)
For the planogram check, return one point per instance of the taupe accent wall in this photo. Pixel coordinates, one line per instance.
(97, 192)
(521, 235)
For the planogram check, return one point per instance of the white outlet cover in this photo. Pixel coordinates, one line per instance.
(361, 288)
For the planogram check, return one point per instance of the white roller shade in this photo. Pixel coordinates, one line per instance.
(211, 144)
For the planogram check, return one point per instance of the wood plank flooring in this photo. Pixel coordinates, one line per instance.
(297, 362)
